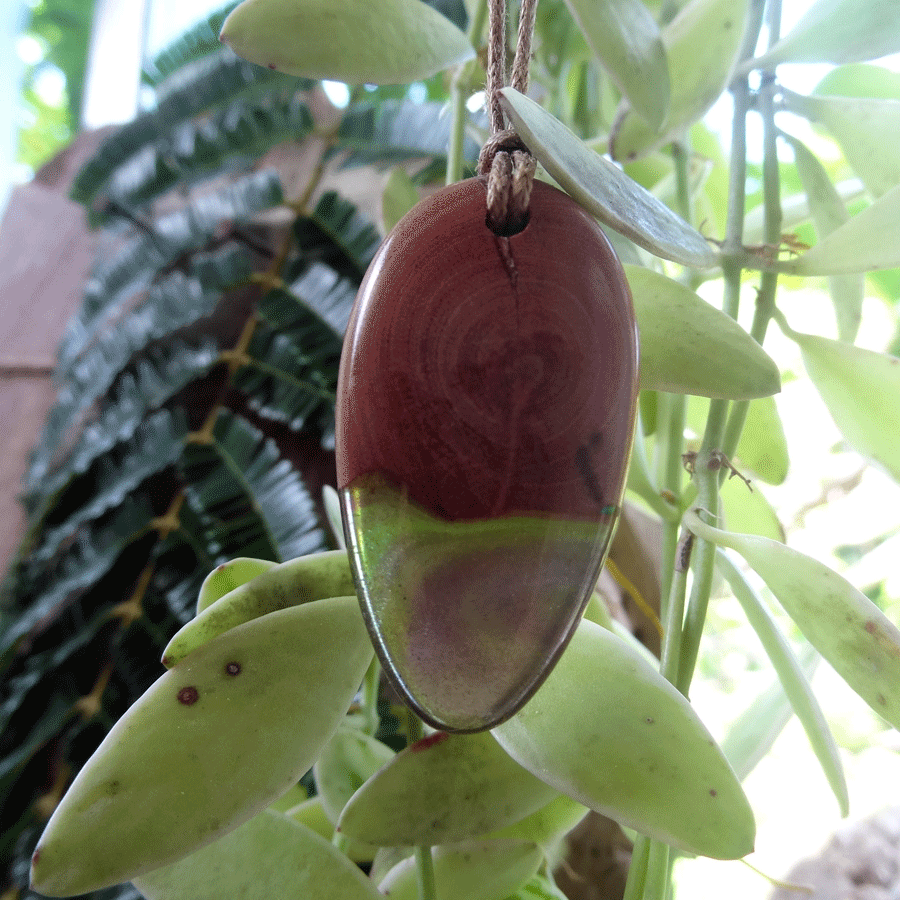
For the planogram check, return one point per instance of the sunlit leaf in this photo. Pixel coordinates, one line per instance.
(865, 130)
(861, 80)
(211, 743)
(850, 632)
(268, 858)
(334, 39)
(747, 510)
(702, 43)
(869, 241)
(689, 347)
(601, 729)
(624, 36)
(445, 788)
(302, 580)
(225, 578)
(483, 870)
(828, 213)
(861, 389)
(838, 31)
(603, 189)
(792, 677)
(763, 446)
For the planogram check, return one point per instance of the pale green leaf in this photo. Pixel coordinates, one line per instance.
(828, 213)
(445, 788)
(792, 677)
(861, 80)
(603, 189)
(624, 36)
(302, 580)
(268, 858)
(482, 870)
(398, 197)
(225, 578)
(861, 389)
(211, 743)
(866, 131)
(702, 43)
(603, 728)
(869, 241)
(312, 815)
(346, 762)
(355, 41)
(748, 510)
(690, 347)
(850, 631)
(762, 447)
(548, 824)
(332, 503)
(838, 31)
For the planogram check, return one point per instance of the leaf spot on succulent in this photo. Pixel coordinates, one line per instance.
(233, 668)
(437, 738)
(650, 720)
(188, 695)
(713, 792)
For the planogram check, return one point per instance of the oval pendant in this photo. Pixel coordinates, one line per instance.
(485, 412)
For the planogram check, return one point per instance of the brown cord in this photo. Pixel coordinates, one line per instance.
(506, 161)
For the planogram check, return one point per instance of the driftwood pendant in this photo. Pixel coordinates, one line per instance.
(486, 407)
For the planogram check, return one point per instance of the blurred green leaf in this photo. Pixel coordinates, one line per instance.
(690, 347)
(624, 36)
(603, 189)
(228, 576)
(861, 389)
(445, 788)
(748, 511)
(334, 39)
(829, 213)
(701, 43)
(601, 729)
(212, 742)
(763, 446)
(398, 197)
(850, 632)
(870, 240)
(792, 677)
(268, 858)
(483, 870)
(837, 31)
(860, 80)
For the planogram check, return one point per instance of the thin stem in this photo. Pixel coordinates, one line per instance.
(637, 871)
(460, 90)
(425, 872)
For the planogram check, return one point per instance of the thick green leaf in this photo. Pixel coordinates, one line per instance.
(861, 80)
(347, 762)
(211, 743)
(268, 858)
(869, 241)
(689, 347)
(477, 870)
(398, 197)
(837, 31)
(861, 389)
(747, 510)
(332, 503)
(792, 677)
(445, 788)
(602, 729)
(828, 213)
(702, 44)
(302, 580)
(624, 36)
(850, 632)
(334, 39)
(228, 576)
(865, 130)
(603, 189)
(763, 447)
(548, 825)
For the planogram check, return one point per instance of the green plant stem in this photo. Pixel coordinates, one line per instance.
(459, 95)
(425, 870)
(637, 871)
(370, 696)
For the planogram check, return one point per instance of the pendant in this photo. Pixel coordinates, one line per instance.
(485, 412)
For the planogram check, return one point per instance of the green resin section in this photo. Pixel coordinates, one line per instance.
(468, 617)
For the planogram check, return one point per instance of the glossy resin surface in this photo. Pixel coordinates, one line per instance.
(485, 413)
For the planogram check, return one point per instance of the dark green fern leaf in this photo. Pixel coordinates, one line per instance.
(338, 222)
(393, 131)
(229, 139)
(208, 83)
(152, 380)
(156, 445)
(252, 501)
(200, 40)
